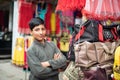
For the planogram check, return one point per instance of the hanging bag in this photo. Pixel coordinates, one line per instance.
(107, 33)
(88, 56)
(86, 32)
(93, 31)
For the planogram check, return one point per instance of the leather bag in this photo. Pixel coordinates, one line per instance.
(90, 55)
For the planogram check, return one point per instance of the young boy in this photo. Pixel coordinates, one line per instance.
(43, 57)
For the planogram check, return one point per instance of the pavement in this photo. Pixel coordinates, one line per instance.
(9, 71)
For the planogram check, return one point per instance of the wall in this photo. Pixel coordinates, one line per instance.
(15, 25)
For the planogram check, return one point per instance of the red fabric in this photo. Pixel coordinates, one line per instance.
(47, 18)
(25, 54)
(58, 44)
(76, 4)
(102, 9)
(1, 19)
(48, 39)
(114, 32)
(58, 29)
(65, 5)
(26, 12)
(80, 33)
(67, 17)
(100, 32)
(61, 5)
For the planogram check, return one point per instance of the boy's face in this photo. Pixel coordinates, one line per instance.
(39, 32)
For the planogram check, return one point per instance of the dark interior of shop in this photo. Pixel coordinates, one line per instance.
(5, 34)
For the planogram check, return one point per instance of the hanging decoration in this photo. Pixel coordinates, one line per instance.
(102, 9)
(47, 18)
(67, 17)
(26, 11)
(72, 5)
(58, 30)
(53, 23)
(18, 56)
(20, 49)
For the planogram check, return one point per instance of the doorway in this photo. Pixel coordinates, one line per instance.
(5, 30)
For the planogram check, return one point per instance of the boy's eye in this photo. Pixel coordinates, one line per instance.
(43, 29)
(37, 29)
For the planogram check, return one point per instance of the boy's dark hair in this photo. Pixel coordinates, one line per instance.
(35, 22)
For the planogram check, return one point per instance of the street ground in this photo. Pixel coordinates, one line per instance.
(9, 71)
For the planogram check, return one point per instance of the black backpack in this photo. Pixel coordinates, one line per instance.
(93, 31)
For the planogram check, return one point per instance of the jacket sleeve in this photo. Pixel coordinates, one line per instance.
(35, 66)
(59, 63)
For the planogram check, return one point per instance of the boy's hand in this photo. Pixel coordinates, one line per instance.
(45, 64)
(57, 56)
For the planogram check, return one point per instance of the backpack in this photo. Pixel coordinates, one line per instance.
(94, 31)
(116, 66)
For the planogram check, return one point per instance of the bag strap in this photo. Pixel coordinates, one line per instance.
(100, 32)
(82, 29)
(113, 46)
(114, 32)
(80, 33)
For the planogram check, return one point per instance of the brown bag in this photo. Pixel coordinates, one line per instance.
(90, 55)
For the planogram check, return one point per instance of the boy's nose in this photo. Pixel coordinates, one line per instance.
(40, 32)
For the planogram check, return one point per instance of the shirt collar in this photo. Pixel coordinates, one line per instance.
(39, 43)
